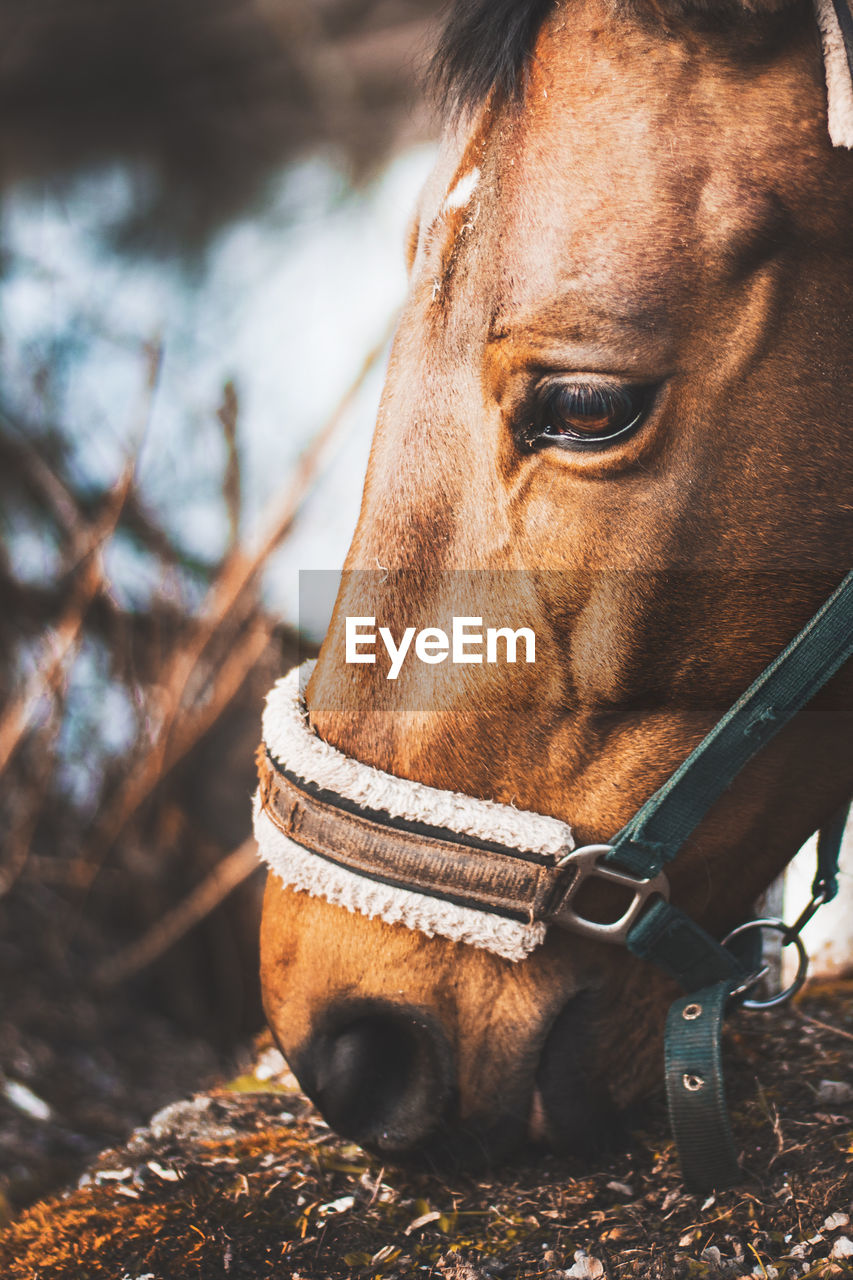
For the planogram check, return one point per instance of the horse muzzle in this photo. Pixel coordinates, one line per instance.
(571, 1110)
(382, 1075)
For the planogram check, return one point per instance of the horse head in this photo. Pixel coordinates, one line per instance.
(621, 392)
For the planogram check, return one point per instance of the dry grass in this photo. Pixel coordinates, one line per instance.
(248, 1182)
(154, 881)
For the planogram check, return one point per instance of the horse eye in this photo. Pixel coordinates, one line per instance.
(579, 414)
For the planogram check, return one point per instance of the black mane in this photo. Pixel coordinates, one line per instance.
(484, 46)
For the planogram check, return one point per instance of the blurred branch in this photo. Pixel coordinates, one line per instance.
(238, 575)
(23, 462)
(226, 876)
(31, 607)
(59, 644)
(228, 414)
(21, 830)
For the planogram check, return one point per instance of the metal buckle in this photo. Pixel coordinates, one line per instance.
(788, 935)
(586, 865)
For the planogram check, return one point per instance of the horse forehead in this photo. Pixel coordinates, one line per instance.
(648, 154)
(642, 240)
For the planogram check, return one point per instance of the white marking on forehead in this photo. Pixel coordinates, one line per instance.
(431, 204)
(459, 196)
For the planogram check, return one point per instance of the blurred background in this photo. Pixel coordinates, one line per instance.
(201, 259)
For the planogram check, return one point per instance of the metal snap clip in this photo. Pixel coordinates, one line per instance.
(691, 1012)
(691, 1082)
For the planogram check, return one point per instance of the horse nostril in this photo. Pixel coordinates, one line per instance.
(381, 1078)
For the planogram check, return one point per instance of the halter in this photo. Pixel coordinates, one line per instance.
(495, 877)
(490, 876)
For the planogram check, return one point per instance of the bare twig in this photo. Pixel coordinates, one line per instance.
(20, 835)
(59, 644)
(229, 678)
(228, 414)
(226, 876)
(43, 480)
(239, 573)
(824, 1026)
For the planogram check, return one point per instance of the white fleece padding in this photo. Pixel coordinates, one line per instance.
(300, 869)
(839, 88)
(293, 745)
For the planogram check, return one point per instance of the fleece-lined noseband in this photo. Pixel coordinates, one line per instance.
(493, 876)
(437, 861)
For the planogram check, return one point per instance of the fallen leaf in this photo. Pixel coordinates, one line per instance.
(585, 1267)
(341, 1205)
(387, 1251)
(23, 1099)
(834, 1091)
(422, 1221)
(112, 1175)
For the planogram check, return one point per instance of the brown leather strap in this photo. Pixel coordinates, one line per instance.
(488, 878)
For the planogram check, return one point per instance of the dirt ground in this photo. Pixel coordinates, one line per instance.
(247, 1181)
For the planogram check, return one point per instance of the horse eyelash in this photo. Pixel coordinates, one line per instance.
(530, 435)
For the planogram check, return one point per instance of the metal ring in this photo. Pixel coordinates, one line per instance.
(778, 926)
(586, 865)
(751, 981)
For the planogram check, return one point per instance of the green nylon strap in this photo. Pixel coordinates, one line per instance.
(680, 946)
(660, 827)
(665, 935)
(669, 938)
(710, 972)
(695, 1091)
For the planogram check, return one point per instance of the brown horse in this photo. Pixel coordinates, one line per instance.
(623, 383)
